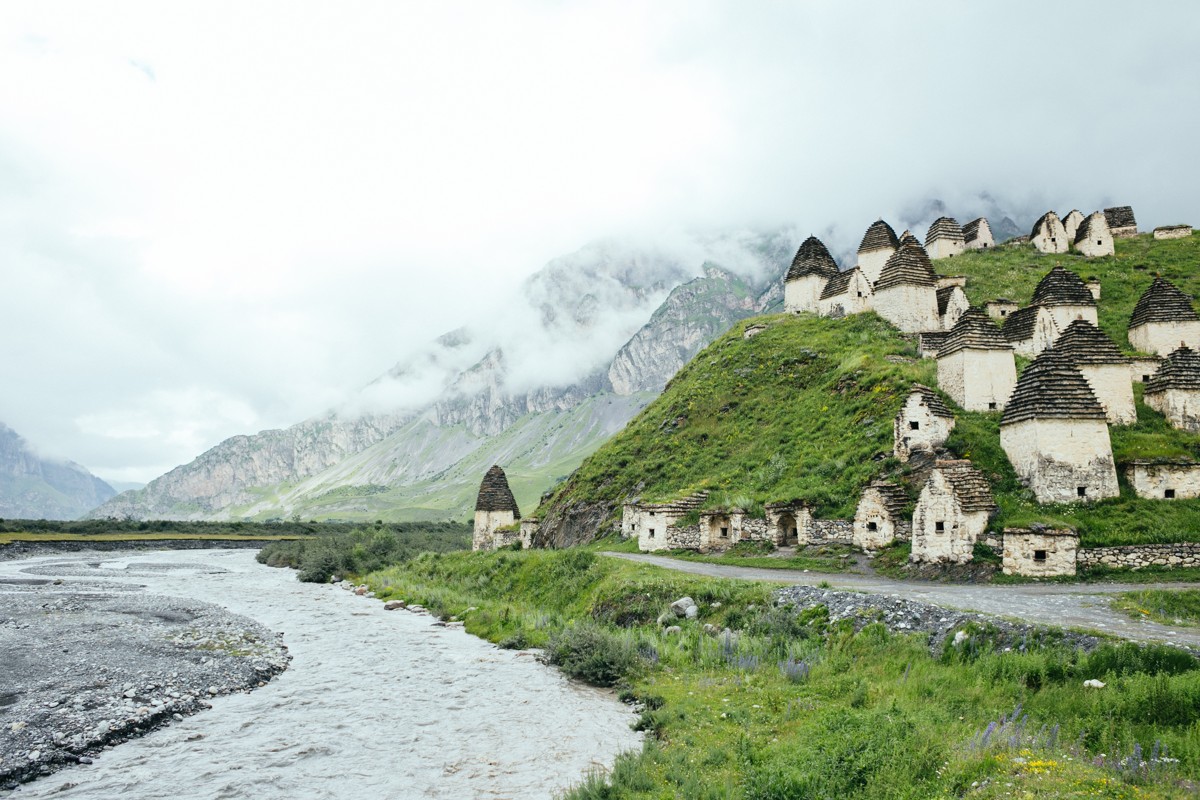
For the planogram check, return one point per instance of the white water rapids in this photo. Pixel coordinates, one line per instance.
(375, 704)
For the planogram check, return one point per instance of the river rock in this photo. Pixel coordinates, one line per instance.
(392, 605)
(680, 607)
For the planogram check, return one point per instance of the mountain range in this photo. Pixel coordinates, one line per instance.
(34, 487)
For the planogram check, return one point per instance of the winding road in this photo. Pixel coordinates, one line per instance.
(1080, 606)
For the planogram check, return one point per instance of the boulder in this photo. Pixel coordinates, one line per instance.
(680, 607)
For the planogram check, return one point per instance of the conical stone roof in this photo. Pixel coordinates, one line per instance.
(907, 237)
(944, 228)
(909, 265)
(494, 494)
(1181, 370)
(812, 259)
(893, 497)
(970, 487)
(1093, 226)
(879, 236)
(1162, 302)
(1061, 287)
(932, 400)
(1084, 343)
(1052, 388)
(974, 331)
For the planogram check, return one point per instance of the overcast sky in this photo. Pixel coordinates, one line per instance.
(220, 217)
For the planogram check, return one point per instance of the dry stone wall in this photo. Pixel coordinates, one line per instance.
(1137, 556)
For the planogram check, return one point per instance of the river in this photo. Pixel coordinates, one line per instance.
(374, 703)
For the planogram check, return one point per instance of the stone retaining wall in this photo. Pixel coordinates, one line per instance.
(832, 531)
(1136, 556)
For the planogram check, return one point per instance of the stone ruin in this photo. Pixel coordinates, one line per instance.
(1049, 235)
(1172, 231)
(1163, 320)
(1164, 479)
(1121, 221)
(1093, 237)
(1103, 367)
(496, 513)
(653, 524)
(951, 514)
(1071, 223)
(877, 246)
(922, 425)
(975, 364)
(952, 302)
(879, 519)
(806, 278)
(1061, 297)
(1055, 433)
(906, 291)
(1040, 552)
(1000, 308)
(846, 293)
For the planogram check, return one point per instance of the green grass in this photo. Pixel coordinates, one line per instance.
(803, 411)
(1170, 607)
(795, 707)
(814, 559)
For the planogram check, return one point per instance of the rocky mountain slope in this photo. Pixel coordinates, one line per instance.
(32, 487)
(590, 340)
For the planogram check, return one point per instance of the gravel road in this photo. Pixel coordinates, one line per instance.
(1080, 606)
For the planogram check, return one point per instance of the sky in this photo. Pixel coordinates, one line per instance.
(219, 217)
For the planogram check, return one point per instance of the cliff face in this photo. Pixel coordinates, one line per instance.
(494, 396)
(35, 488)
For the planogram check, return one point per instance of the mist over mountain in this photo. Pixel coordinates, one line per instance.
(33, 487)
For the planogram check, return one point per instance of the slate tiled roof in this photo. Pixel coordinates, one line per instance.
(943, 298)
(944, 228)
(494, 494)
(931, 341)
(1051, 387)
(972, 229)
(907, 236)
(1093, 226)
(1061, 287)
(1120, 217)
(1181, 370)
(970, 488)
(1020, 324)
(1162, 302)
(812, 259)
(879, 236)
(1084, 343)
(974, 330)
(932, 400)
(838, 284)
(892, 496)
(909, 265)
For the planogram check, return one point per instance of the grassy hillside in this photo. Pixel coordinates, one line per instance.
(804, 410)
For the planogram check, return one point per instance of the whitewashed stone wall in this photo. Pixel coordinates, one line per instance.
(944, 248)
(529, 529)
(1000, 310)
(1173, 232)
(956, 306)
(1045, 331)
(1164, 481)
(803, 293)
(978, 380)
(1181, 407)
(1142, 369)
(1100, 243)
(649, 526)
(1137, 556)
(1056, 457)
(1164, 338)
(1071, 223)
(486, 523)
(930, 433)
(871, 263)
(1113, 389)
(1065, 315)
(941, 531)
(720, 530)
(1039, 554)
(1052, 237)
(910, 308)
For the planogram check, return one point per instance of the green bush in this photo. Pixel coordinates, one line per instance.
(592, 654)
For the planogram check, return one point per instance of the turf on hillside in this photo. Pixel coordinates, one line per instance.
(803, 411)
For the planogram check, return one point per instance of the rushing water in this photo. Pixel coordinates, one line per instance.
(375, 704)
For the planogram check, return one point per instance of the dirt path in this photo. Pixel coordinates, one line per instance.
(1068, 605)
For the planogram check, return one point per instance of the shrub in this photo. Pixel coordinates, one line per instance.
(592, 654)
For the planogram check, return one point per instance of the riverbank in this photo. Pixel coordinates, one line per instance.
(88, 665)
(32, 547)
(373, 702)
(761, 692)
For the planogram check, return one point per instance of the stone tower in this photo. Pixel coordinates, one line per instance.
(1049, 235)
(924, 423)
(906, 292)
(951, 513)
(975, 364)
(1055, 434)
(495, 508)
(1093, 238)
(1103, 367)
(811, 269)
(1163, 320)
(1071, 223)
(878, 244)
(1175, 389)
(944, 239)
